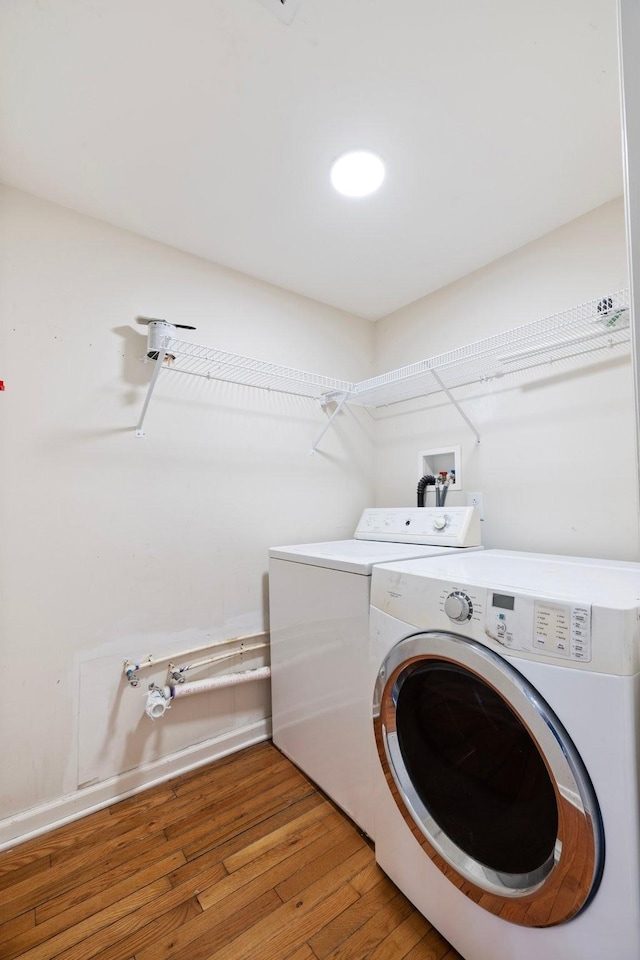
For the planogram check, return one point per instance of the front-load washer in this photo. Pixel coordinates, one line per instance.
(507, 724)
(319, 624)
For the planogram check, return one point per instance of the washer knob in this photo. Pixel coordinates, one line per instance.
(458, 607)
(439, 523)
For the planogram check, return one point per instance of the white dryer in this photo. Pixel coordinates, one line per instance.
(319, 624)
(507, 726)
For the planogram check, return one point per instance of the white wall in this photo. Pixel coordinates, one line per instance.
(556, 462)
(116, 547)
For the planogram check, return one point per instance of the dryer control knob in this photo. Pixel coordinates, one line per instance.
(440, 523)
(458, 607)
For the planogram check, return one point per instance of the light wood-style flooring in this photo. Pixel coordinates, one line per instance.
(241, 860)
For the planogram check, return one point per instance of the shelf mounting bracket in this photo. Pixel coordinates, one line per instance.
(455, 403)
(154, 379)
(341, 402)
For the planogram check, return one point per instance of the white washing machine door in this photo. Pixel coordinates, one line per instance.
(487, 779)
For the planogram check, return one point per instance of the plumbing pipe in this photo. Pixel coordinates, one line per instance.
(176, 673)
(159, 698)
(216, 683)
(158, 701)
(131, 666)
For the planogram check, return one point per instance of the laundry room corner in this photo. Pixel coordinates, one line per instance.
(556, 457)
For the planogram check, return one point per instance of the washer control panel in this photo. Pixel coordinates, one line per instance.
(539, 626)
(440, 526)
(534, 625)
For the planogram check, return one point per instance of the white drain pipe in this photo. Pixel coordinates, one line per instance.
(159, 698)
(215, 683)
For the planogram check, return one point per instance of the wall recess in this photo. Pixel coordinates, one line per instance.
(439, 459)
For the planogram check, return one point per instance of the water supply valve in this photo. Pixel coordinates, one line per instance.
(132, 676)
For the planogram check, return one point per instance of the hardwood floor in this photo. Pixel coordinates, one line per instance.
(241, 860)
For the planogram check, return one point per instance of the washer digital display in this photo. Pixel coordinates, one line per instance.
(503, 601)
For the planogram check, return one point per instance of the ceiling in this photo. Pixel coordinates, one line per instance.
(211, 125)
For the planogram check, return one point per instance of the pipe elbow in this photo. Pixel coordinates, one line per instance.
(158, 701)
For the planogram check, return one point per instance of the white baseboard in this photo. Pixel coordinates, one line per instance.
(48, 816)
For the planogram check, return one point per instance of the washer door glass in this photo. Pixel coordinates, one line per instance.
(485, 770)
(477, 770)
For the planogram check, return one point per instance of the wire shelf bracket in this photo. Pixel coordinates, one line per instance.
(340, 404)
(455, 403)
(152, 383)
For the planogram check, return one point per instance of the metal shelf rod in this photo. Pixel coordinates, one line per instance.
(154, 379)
(335, 413)
(456, 404)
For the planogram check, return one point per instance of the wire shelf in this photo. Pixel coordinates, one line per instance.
(182, 356)
(595, 325)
